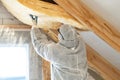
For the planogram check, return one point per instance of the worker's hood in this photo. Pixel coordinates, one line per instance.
(67, 36)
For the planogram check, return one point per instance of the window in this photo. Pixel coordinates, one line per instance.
(13, 62)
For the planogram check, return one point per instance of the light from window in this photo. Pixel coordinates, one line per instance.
(13, 63)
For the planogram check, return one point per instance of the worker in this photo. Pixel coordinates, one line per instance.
(67, 57)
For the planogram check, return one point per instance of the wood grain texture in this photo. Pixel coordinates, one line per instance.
(88, 18)
(46, 70)
(24, 27)
(102, 66)
(48, 14)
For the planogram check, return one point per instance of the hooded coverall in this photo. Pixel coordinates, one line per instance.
(67, 57)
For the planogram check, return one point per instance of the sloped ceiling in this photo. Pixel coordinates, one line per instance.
(110, 11)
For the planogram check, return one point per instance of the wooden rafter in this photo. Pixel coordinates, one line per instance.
(16, 26)
(88, 18)
(106, 70)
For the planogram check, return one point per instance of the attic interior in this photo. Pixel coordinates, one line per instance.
(97, 22)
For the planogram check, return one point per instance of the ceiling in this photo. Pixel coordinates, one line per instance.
(108, 9)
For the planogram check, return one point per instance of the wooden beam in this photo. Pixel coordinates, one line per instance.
(88, 18)
(46, 70)
(102, 66)
(24, 27)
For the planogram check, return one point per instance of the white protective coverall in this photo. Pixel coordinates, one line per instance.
(67, 57)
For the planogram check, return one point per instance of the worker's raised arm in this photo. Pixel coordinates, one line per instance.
(39, 39)
(40, 42)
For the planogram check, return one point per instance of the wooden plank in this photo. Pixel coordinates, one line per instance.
(46, 70)
(16, 26)
(102, 66)
(88, 18)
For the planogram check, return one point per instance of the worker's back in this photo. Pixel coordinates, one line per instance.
(67, 57)
(68, 63)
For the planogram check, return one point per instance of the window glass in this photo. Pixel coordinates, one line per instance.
(13, 62)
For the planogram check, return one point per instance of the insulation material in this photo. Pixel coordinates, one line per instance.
(49, 14)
